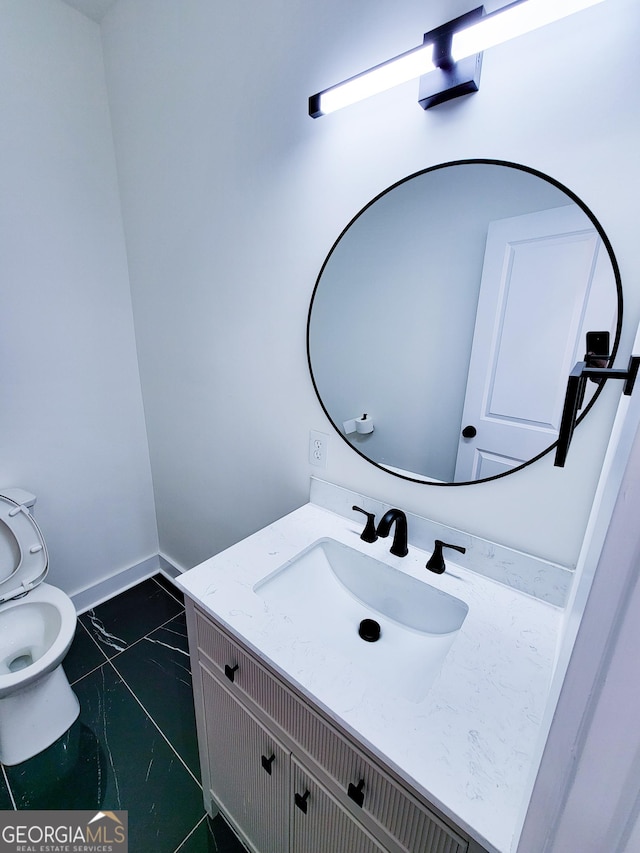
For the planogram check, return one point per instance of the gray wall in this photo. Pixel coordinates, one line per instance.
(232, 196)
(72, 426)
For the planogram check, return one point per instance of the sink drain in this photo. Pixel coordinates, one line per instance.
(369, 630)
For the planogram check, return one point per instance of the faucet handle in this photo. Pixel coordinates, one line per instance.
(436, 560)
(369, 533)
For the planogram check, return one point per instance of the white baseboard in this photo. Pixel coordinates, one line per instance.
(95, 594)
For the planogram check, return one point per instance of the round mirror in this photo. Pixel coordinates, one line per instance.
(449, 313)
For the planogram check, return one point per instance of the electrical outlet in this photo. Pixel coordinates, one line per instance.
(318, 442)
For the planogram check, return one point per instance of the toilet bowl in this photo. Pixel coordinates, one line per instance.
(37, 625)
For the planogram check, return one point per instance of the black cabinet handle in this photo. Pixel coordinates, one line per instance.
(267, 762)
(356, 792)
(230, 671)
(301, 801)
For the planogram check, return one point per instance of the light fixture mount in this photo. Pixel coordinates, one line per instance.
(449, 60)
(450, 79)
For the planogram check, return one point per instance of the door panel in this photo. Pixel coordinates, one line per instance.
(540, 270)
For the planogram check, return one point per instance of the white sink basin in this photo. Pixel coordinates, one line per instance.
(329, 588)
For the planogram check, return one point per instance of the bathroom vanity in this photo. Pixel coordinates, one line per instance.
(306, 746)
(297, 782)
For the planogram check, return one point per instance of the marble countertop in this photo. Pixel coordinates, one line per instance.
(469, 745)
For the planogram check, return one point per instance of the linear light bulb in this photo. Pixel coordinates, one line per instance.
(512, 21)
(414, 63)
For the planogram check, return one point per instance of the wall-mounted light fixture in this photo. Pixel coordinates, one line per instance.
(449, 59)
(575, 395)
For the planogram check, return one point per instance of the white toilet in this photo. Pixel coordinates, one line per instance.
(37, 624)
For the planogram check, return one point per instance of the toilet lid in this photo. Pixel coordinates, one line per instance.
(23, 554)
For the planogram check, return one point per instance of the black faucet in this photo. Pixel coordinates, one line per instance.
(436, 560)
(399, 545)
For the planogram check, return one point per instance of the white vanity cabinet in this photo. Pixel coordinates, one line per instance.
(287, 778)
(320, 823)
(248, 769)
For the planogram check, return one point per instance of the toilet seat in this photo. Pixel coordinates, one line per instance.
(24, 561)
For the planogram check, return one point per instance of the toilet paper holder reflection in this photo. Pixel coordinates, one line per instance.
(362, 425)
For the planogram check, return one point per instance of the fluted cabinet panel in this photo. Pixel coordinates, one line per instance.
(389, 812)
(325, 825)
(252, 798)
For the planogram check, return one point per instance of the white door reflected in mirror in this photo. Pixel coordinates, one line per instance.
(541, 270)
(399, 306)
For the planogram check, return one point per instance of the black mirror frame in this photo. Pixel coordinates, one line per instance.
(614, 264)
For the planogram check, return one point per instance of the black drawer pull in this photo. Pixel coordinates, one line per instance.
(267, 762)
(301, 801)
(230, 671)
(356, 792)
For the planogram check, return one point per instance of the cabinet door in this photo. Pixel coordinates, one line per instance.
(249, 769)
(319, 823)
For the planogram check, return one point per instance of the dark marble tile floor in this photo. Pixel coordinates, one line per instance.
(134, 744)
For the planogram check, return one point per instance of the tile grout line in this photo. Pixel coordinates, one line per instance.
(135, 642)
(106, 659)
(187, 837)
(95, 668)
(100, 666)
(6, 781)
(173, 749)
(92, 610)
(164, 589)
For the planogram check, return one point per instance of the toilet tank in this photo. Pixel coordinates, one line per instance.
(20, 496)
